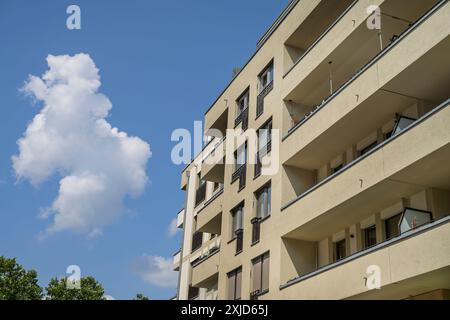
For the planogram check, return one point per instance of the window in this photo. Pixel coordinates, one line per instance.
(200, 194)
(197, 240)
(265, 85)
(370, 237)
(256, 230)
(193, 293)
(401, 124)
(242, 103)
(266, 77)
(264, 145)
(413, 218)
(368, 148)
(217, 186)
(337, 168)
(234, 284)
(392, 226)
(240, 157)
(263, 201)
(236, 219)
(260, 275)
(388, 134)
(265, 136)
(339, 250)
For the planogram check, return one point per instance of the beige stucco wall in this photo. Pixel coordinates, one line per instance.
(366, 193)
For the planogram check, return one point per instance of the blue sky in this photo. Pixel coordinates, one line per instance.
(162, 63)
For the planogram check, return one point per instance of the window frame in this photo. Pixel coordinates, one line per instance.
(268, 126)
(234, 227)
(367, 235)
(367, 148)
(337, 168)
(261, 259)
(245, 98)
(386, 221)
(237, 165)
(234, 273)
(336, 245)
(259, 192)
(269, 71)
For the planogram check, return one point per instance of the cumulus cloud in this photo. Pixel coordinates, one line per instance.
(97, 164)
(156, 270)
(173, 229)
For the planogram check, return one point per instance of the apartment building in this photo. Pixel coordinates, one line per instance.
(359, 207)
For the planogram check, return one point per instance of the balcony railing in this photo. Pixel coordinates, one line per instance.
(394, 41)
(176, 260)
(240, 174)
(395, 135)
(180, 218)
(213, 197)
(260, 99)
(209, 250)
(401, 237)
(260, 154)
(242, 118)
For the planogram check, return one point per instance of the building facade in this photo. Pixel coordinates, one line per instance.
(350, 99)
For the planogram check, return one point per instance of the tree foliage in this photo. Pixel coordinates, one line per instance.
(90, 289)
(16, 283)
(140, 296)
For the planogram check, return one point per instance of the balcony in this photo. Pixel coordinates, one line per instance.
(213, 165)
(316, 25)
(396, 168)
(217, 117)
(180, 219)
(384, 88)
(176, 261)
(415, 262)
(205, 268)
(209, 218)
(360, 51)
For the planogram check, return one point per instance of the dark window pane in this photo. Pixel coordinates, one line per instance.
(234, 284)
(368, 148)
(391, 226)
(193, 293)
(337, 168)
(339, 250)
(370, 237)
(197, 240)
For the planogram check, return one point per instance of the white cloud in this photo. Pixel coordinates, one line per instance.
(156, 270)
(98, 165)
(173, 229)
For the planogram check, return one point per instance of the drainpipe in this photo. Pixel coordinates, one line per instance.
(188, 174)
